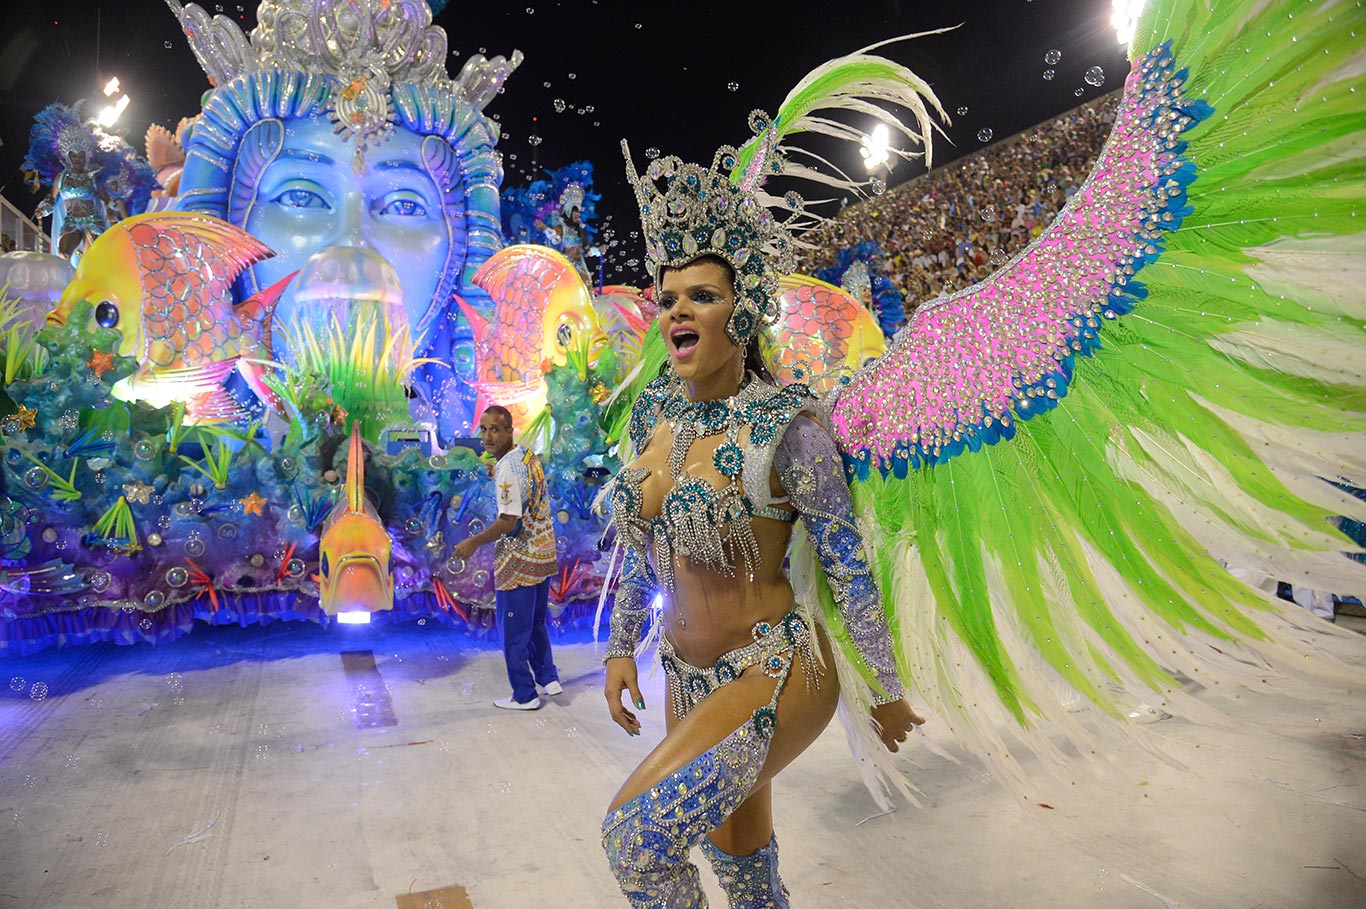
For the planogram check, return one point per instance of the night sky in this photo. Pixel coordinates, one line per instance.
(681, 82)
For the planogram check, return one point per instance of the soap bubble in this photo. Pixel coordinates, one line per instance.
(1052, 57)
(984, 134)
(1094, 76)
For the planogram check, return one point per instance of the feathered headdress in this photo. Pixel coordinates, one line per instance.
(688, 211)
(57, 131)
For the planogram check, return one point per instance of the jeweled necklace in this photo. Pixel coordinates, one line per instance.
(693, 420)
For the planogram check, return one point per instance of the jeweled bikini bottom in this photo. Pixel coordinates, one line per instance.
(775, 648)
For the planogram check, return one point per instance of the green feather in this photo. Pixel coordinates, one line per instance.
(1016, 542)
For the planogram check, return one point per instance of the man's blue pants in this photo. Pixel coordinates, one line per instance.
(526, 643)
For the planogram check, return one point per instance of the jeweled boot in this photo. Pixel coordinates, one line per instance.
(750, 881)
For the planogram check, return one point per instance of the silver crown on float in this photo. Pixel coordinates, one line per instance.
(367, 46)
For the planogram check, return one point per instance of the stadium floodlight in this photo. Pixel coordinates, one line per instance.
(111, 86)
(875, 148)
(110, 115)
(1124, 17)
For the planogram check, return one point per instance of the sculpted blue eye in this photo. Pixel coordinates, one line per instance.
(302, 198)
(405, 208)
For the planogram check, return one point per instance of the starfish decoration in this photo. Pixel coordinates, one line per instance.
(26, 417)
(253, 503)
(101, 362)
(138, 491)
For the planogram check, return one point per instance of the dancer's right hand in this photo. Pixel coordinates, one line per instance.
(621, 676)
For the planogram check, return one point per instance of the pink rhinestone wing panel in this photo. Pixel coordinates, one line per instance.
(966, 368)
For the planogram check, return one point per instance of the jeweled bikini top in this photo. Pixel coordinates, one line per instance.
(711, 526)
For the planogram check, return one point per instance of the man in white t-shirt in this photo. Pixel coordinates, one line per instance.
(524, 562)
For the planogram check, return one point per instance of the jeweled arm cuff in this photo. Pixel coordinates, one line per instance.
(812, 473)
(631, 607)
(624, 635)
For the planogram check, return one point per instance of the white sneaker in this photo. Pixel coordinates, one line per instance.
(553, 689)
(508, 703)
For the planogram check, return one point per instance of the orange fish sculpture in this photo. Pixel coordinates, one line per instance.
(356, 556)
(822, 335)
(541, 310)
(164, 281)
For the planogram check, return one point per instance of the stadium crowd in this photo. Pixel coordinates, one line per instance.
(951, 227)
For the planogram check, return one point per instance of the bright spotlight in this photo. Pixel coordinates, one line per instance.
(874, 148)
(110, 115)
(354, 617)
(1124, 17)
(111, 86)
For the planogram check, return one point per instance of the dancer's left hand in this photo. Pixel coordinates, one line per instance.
(895, 722)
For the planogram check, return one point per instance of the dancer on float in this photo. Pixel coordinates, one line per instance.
(63, 154)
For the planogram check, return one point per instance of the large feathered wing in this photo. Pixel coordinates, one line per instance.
(1051, 463)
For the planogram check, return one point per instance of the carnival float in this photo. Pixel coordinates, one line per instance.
(240, 387)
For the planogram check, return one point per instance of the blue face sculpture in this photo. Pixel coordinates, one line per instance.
(407, 204)
(333, 125)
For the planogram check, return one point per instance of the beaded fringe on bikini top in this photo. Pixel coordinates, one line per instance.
(712, 527)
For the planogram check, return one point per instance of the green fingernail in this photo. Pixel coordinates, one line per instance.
(640, 702)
